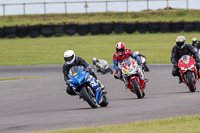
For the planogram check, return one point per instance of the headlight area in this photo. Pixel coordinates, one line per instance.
(182, 68)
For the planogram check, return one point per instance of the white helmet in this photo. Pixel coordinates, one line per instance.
(94, 59)
(136, 52)
(69, 57)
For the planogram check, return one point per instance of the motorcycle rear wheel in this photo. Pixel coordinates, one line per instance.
(137, 88)
(87, 96)
(190, 82)
(111, 71)
(146, 69)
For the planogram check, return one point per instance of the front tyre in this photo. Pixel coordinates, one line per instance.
(137, 88)
(88, 96)
(190, 82)
(105, 101)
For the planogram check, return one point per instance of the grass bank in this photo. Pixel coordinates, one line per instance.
(17, 78)
(82, 18)
(171, 125)
(28, 51)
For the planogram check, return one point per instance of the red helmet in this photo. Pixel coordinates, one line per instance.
(120, 48)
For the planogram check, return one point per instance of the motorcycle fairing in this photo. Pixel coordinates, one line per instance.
(79, 78)
(187, 64)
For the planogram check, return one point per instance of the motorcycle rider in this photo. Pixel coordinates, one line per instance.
(98, 62)
(195, 44)
(121, 54)
(95, 62)
(180, 49)
(72, 60)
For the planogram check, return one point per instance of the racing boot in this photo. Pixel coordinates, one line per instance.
(125, 80)
(101, 86)
(146, 79)
(180, 80)
(198, 74)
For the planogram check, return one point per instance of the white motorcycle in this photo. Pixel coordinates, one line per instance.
(102, 66)
(144, 61)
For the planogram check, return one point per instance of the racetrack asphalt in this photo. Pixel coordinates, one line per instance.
(41, 104)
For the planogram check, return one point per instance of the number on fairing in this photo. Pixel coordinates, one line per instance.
(93, 83)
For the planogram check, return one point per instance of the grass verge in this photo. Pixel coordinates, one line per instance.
(34, 51)
(83, 18)
(189, 124)
(17, 78)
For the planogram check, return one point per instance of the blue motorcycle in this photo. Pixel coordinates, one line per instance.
(87, 87)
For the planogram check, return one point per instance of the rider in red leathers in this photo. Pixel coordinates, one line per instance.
(121, 54)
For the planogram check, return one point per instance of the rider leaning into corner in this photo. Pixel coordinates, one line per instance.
(121, 54)
(180, 49)
(72, 60)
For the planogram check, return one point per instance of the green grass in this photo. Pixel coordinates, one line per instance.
(82, 18)
(17, 78)
(29, 51)
(171, 125)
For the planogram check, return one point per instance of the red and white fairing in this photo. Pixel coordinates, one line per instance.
(131, 70)
(187, 64)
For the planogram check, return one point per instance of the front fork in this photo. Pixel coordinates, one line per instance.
(95, 85)
(194, 75)
(141, 83)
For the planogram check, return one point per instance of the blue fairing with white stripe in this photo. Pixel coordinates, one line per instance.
(78, 79)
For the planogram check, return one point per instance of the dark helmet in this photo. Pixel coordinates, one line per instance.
(180, 41)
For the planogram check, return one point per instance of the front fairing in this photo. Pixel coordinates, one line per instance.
(129, 67)
(77, 76)
(186, 63)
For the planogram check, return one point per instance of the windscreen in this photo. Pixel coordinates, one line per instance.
(74, 70)
(127, 61)
(185, 59)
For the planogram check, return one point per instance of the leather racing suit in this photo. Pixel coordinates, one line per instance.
(177, 53)
(78, 62)
(119, 58)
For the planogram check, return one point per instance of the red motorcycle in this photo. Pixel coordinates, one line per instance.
(188, 71)
(130, 70)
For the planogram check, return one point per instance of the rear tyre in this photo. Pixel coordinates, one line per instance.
(137, 88)
(146, 69)
(190, 82)
(111, 71)
(89, 97)
(105, 102)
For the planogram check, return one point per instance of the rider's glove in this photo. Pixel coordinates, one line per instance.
(67, 82)
(198, 64)
(90, 70)
(139, 62)
(87, 69)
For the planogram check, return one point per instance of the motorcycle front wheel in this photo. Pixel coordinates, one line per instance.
(137, 88)
(105, 101)
(190, 82)
(88, 96)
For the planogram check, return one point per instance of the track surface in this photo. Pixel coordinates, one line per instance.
(42, 104)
